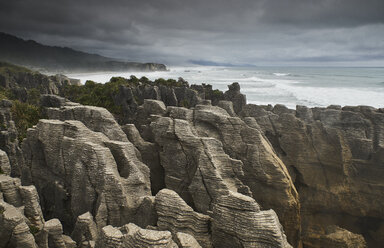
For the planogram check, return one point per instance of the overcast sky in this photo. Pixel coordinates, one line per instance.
(175, 32)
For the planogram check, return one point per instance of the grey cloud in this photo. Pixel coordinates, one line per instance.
(231, 31)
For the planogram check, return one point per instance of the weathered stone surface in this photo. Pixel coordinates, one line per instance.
(176, 216)
(334, 236)
(110, 238)
(85, 230)
(263, 169)
(95, 118)
(5, 167)
(10, 188)
(32, 209)
(238, 222)
(228, 106)
(149, 155)
(136, 237)
(76, 170)
(14, 232)
(8, 139)
(197, 168)
(55, 233)
(185, 240)
(233, 94)
(335, 157)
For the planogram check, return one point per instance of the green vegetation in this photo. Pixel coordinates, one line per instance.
(10, 68)
(96, 94)
(168, 82)
(1, 171)
(217, 93)
(25, 116)
(34, 230)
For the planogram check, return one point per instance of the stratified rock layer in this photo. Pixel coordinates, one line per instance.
(76, 170)
(335, 156)
(176, 216)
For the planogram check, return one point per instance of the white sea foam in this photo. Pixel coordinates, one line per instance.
(280, 74)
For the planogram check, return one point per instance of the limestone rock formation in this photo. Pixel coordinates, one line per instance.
(239, 222)
(263, 170)
(199, 170)
(8, 139)
(184, 240)
(334, 236)
(21, 218)
(55, 233)
(76, 170)
(15, 232)
(176, 216)
(85, 232)
(150, 156)
(132, 236)
(5, 167)
(233, 94)
(95, 118)
(335, 157)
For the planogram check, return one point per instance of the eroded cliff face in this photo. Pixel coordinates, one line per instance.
(231, 175)
(89, 181)
(335, 157)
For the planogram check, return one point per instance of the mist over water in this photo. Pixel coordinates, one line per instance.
(291, 86)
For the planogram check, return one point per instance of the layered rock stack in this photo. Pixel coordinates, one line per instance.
(231, 175)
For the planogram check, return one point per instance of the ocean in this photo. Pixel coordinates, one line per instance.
(291, 86)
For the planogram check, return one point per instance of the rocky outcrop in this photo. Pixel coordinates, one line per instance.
(5, 167)
(95, 118)
(8, 140)
(85, 232)
(15, 232)
(263, 170)
(176, 216)
(334, 236)
(21, 218)
(132, 236)
(184, 240)
(239, 222)
(149, 155)
(233, 94)
(335, 158)
(199, 170)
(76, 170)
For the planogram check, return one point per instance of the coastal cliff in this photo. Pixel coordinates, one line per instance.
(166, 164)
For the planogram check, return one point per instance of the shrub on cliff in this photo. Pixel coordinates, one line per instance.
(25, 116)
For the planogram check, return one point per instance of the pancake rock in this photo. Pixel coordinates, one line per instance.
(334, 236)
(239, 222)
(8, 141)
(95, 118)
(176, 216)
(132, 236)
(263, 169)
(199, 170)
(335, 157)
(76, 170)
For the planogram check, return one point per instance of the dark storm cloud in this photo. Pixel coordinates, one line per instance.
(232, 31)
